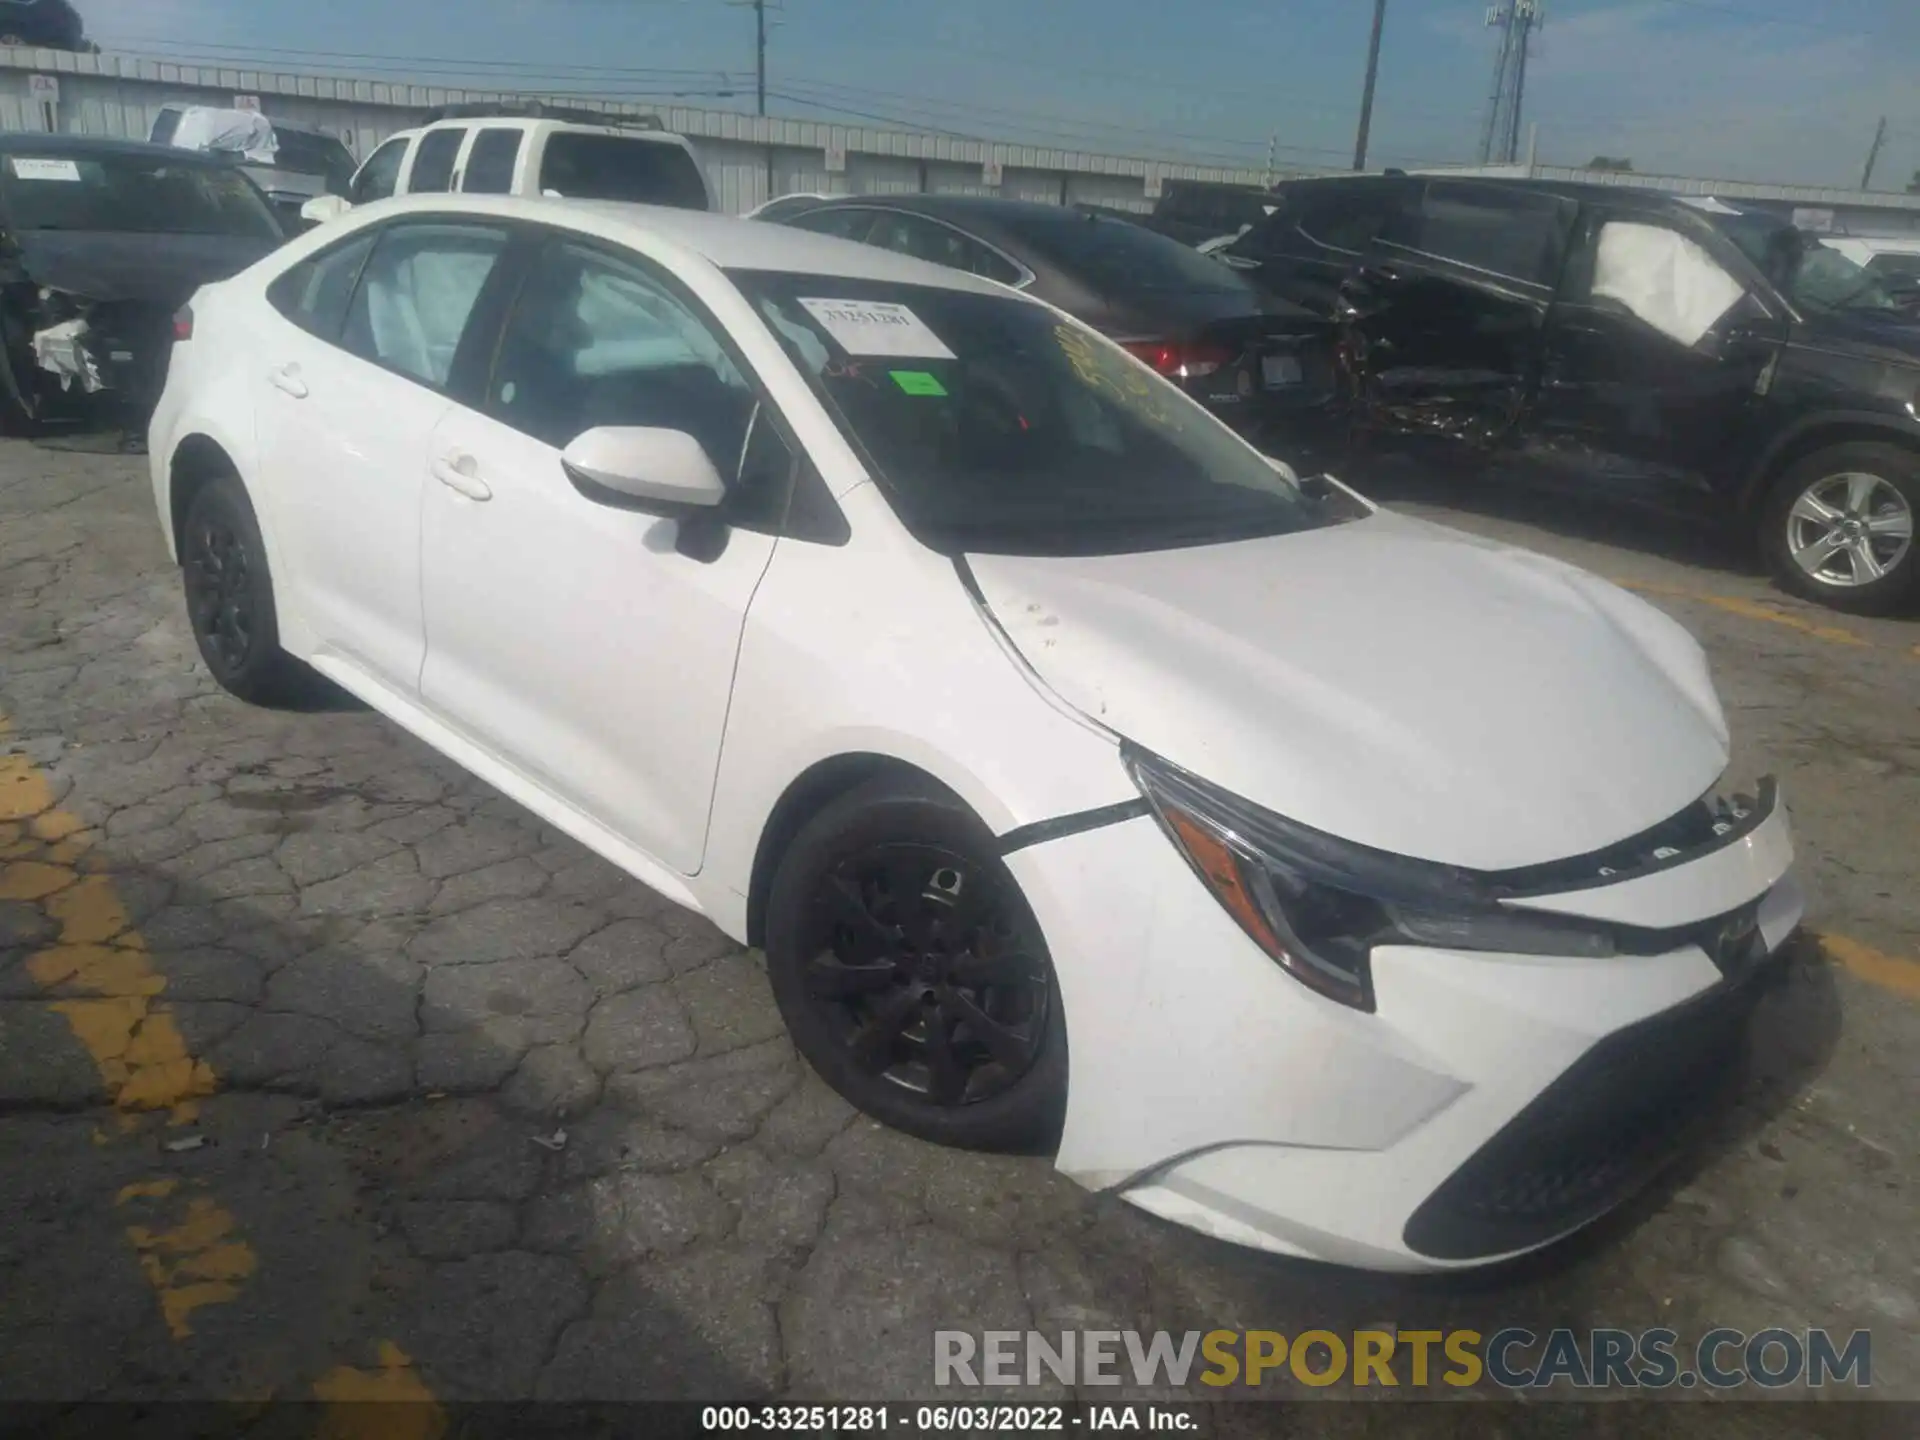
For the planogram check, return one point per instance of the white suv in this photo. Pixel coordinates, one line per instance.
(533, 150)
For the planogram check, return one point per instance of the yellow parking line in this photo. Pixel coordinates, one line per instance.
(1752, 610)
(1888, 972)
(387, 1402)
(103, 983)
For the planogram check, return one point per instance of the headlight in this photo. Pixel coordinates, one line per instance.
(1318, 905)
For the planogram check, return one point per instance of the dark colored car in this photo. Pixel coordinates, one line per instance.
(101, 242)
(1260, 363)
(1630, 340)
(43, 24)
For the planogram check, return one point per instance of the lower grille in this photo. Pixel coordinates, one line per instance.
(1596, 1134)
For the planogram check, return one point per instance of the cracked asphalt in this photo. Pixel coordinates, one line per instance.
(293, 1013)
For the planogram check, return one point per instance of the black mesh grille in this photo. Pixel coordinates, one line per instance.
(1595, 1135)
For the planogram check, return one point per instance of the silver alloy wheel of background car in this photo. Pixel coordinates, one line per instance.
(1849, 529)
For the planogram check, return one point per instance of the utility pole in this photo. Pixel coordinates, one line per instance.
(1366, 93)
(760, 55)
(1873, 153)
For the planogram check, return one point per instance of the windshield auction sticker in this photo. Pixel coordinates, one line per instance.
(876, 327)
(29, 169)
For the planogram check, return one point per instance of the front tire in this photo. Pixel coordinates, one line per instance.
(912, 974)
(229, 594)
(1838, 528)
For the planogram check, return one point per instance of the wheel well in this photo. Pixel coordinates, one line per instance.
(1821, 437)
(807, 796)
(196, 461)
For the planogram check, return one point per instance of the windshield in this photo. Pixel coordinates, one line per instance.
(132, 193)
(996, 426)
(580, 165)
(1805, 271)
(310, 154)
(1119, 258)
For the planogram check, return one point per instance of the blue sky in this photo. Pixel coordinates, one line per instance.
(1741, 89)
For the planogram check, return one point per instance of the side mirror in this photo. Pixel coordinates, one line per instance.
(322, 208)
(657, 472)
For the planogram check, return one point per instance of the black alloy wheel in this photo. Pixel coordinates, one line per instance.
(912, 972)
(229, 594)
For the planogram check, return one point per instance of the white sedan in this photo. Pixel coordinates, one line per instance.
(1318, 878)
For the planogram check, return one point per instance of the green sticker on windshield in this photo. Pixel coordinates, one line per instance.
(918, 382)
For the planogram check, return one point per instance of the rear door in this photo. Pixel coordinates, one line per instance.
(1446, 313)
(1654, 354)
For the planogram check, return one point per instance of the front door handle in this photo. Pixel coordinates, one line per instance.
(286, 378)
(456, 470)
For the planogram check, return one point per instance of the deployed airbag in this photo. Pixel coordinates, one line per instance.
(62, 350)
(1663, 278)
(230, 132)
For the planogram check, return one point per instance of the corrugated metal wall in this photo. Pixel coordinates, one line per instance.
(121, 95)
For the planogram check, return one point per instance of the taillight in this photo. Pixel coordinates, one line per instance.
(183, 323)
(1187, 362)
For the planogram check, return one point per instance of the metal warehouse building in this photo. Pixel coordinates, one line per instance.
(750, 159)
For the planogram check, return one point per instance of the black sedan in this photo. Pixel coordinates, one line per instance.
(1257, 361)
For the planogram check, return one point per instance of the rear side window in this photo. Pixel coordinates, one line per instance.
(164, 126)
(314, 293)
(1512, 234)
(1342, 217)
(580, 165)
(845, 224)
(376, 178)
(416, 292)
(941, 244)
(433, 165)
(490, 163)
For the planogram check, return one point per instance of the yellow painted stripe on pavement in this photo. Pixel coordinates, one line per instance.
(103, 982)
(1753, 610)
(386, 1402)
(1888, 972)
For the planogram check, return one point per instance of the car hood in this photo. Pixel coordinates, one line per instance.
(115, 265)
(1387, 681)
(1890, 337)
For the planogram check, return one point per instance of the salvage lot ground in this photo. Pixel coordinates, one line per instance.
(287, 1002)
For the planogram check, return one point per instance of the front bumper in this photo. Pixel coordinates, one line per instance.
(1490, 1105)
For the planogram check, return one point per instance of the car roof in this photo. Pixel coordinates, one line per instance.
(979, 209)
(1584, 191)
(33, 142)
(726, 241)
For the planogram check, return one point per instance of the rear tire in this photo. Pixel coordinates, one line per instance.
(229, 594)
(912, 973)
(1838, 527)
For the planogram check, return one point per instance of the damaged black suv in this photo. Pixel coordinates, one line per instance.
(101, 242)
(1641, 344)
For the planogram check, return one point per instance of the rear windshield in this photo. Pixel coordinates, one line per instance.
(310, 154)
(580, 166)
(1118, 258)
(132, 194)
(996, 426)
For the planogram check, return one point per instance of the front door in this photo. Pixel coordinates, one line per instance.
(593, 648)
(350, 389)
(1444, 317)
(1655, 354)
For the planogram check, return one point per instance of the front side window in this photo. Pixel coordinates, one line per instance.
(433, 165)
(996, 426)
(314, 293)
(1662, 279)
(1810, 274)
(593, 341)
(132, 194)
(585, 165)
(416, 293)
(1895, 268)
(490, 162)
(378, 176)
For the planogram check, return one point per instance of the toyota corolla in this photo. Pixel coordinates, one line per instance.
(1318, 878)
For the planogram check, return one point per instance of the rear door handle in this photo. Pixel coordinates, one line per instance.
(455, 470)
(286, 378)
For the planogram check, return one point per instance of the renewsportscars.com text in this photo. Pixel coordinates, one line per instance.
(1513, 1358)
